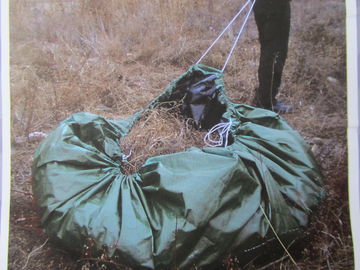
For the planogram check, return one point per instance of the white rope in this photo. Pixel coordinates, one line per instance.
(221, 34)
(125, 157)
(223, 130)
(238, 36)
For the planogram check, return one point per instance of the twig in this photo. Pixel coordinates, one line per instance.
(33, 252)
(278, 238)
(23, 192)
(328, 263)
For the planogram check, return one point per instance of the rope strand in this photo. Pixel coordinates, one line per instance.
(238, 36)
(221, 34)
(125, 157)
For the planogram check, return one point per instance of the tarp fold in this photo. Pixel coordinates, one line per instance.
(185, 209)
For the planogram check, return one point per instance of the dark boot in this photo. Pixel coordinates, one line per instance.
(280, 107)
(276, 105)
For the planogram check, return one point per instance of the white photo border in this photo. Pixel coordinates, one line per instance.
(5, 133)
(353, 60)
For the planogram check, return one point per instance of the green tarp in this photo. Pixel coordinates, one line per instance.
(186, 209)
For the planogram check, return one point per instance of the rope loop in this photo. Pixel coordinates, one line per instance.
(223, 131)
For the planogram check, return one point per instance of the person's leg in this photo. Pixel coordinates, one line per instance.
(273, 21)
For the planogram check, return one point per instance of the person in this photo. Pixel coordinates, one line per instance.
(273, 22)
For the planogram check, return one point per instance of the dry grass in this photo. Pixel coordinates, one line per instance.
(113, 57)
(160, 131)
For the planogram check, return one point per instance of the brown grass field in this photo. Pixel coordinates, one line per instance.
(113, 57)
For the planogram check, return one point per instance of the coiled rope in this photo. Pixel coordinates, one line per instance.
(223, 131)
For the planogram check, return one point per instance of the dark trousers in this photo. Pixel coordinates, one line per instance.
(273, 21)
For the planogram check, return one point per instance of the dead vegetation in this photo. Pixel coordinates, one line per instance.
(160, 131)
(113, 57)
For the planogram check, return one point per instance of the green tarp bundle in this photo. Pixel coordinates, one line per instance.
(181, 210)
